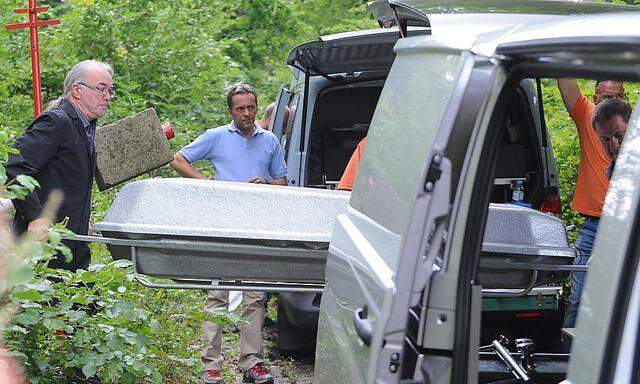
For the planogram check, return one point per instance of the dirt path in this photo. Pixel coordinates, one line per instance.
(285, 370)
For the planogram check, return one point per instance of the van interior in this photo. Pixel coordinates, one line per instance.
(341, 119)
(343, 113)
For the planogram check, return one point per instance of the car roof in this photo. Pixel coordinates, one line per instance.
(507, 34)
(612, 28)
(418, 12)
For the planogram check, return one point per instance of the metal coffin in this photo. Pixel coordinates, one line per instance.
(523, 247)
(214, 230)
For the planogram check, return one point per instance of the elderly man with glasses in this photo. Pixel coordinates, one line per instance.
(57, 149)
(240, 151)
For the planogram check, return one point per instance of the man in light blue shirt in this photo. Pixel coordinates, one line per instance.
(239, 151)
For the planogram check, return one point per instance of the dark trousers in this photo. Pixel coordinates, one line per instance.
(81, 259)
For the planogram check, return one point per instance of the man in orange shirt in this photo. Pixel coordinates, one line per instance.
(349, 175)
(592, 184)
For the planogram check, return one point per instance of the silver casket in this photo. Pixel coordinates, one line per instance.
(205, 230)
(190, 229)
(523, 247)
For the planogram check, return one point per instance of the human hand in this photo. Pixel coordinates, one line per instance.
(258, 180)
(39, 226)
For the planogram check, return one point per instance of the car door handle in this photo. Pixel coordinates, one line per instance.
(363, 326)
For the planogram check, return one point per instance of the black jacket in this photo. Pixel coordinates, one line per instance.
(55, 151)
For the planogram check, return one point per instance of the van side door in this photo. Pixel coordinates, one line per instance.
(402, 192)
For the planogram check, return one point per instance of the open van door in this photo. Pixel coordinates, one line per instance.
(390, 238)
(278, 120)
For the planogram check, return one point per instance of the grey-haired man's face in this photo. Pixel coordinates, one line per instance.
(87, 95)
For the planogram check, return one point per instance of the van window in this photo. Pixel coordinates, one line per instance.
(395, 184)
(285, 139)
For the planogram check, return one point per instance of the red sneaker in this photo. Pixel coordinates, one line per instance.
(257, 375)
(212, 376)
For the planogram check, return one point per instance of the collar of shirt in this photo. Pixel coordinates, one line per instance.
(259, 130)
(89, 126)
(83, 119)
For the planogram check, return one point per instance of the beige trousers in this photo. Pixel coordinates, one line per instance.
(250, 334)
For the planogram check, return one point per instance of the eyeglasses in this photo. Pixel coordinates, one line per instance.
(101, 90)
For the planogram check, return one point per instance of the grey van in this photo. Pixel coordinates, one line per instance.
(336, 85)
(425, 238)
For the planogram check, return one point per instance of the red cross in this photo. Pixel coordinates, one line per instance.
(33, 25)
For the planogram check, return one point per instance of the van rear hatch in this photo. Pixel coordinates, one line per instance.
(349, 52)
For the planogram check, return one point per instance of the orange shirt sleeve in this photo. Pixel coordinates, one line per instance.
(349, 175)
(592, 183)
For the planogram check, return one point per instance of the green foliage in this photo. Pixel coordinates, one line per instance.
(100, 322)
(56, 337)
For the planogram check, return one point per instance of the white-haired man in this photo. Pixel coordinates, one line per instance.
(57, 149)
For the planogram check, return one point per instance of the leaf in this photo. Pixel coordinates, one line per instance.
(14, 328)
(76, 315)
(16, 192)
(20, 274)
(27, 318)
(31, 295)
(68, 256)
(89, 370)
(122, 263)
(28, 182)
(41, 286)
(154, 324)
(53, 324)
(3, 174)
(54, 238)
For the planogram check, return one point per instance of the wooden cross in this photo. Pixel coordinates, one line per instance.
(33, 24)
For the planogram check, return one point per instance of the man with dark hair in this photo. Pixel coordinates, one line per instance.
(239, 151)
(58, 150)
(610, 120)
(592, 183)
